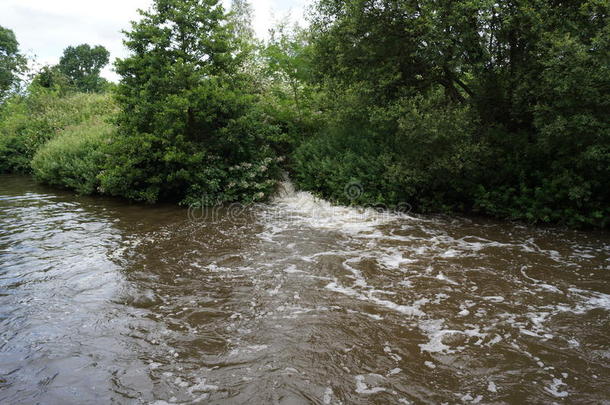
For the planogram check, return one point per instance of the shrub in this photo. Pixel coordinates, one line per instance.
(32, 120)
(75, 157)
(187, 113)
(143, 167)
(418, 150)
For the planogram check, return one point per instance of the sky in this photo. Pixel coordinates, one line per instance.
(44, 28)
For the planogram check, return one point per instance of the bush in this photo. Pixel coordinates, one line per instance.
(143, 167)
(557, 171)
(32, 120)
(418, 150)
(75, 157)
(188, 127)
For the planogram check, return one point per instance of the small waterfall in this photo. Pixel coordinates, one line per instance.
(304, 207)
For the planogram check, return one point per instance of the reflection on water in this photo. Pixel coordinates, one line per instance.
(294, 302)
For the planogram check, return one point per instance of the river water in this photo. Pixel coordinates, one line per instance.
(294, 302)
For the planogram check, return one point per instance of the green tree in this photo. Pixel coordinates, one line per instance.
(50, 77)
(290, 97)
(287, 60)
(41, 114)
(82, 65)
(241, 17)
(532, 74)
(12, 63)
(186, 110)
(246, 45)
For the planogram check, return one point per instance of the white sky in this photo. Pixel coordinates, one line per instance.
(44, 28)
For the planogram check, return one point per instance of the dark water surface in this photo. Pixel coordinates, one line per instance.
(296, 302)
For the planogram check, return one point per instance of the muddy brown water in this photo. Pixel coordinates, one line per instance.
(294, 302)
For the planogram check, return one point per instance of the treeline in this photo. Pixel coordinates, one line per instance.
(477, 106)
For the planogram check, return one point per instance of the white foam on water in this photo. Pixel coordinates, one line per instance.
(340, 253)
(590, 300)
(442, 277)
(365, 244)
(372, 316)
(363, 388)
(275, 291)
(304, 208)
(388, 350)
(553, 389)
(328, 395)
(551, 288)
(433, 328)
(404, 309)
(429, 364)
(292, 270)
(202, 386)
(536, 318)
(257, 348)
(394, 371)
(360, 281)
(394, 260)
(491, 387)
(539, 283)
(450, 253)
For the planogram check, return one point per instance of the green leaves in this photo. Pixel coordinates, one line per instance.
(12, 63)
(418, 151)
(82, 66)
(471, 105)
(496, 107)
(76, 157)
(42, 115)
(186, 109)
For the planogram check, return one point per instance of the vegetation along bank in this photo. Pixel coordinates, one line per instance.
(465, 106)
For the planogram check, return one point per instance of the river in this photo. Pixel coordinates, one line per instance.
(293, 302)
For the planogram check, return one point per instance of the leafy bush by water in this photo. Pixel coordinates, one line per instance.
(418, 150)
(75, 158)
(32, 120)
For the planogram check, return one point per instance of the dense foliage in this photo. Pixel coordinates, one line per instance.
(28, 122)
(12, 63)
(498, 108)
(75, 158)
(429, 160)
(522, 133)
(186, 115)
(82, 65)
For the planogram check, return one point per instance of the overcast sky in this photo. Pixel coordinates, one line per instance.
(45, 27)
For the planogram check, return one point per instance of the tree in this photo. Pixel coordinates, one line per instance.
(247, 46)
(532, 75)
(241, 18)
(186, 109)
(12, 63)
(50, 77)
(82, 65)
(287, 59)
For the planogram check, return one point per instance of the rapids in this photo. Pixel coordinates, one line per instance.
(294, 302)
